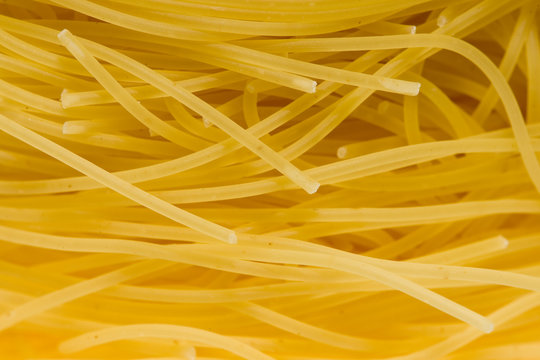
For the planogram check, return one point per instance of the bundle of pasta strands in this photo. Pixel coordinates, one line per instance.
(262, 180)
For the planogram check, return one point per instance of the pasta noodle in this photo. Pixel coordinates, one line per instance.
(217, 180)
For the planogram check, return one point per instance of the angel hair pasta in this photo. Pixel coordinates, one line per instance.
(286, 180)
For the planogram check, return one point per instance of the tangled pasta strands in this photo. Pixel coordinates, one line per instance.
(269, 180)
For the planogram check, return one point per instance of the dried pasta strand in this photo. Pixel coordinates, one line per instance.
(149, 330)
(234, 130)
(80, 289)
(115, 183)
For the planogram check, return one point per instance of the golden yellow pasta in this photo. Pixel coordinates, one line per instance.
(286, 180)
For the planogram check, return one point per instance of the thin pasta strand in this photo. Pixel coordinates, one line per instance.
(234, 130)
(80, 289)
(115, 183)
(149, 330)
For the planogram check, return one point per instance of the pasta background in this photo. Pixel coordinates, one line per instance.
(288, 180)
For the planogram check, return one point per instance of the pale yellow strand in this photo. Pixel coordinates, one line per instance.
(113, 182)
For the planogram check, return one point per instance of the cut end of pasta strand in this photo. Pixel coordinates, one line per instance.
(342, 152)
(503, 241)
(232, 238)
(313, 88)
(488, 328)
(67, 39)
(312, 187)
(64, 99)
(71, 127)
(207, 123)
(441, 21)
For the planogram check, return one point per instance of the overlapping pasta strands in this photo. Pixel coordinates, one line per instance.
(264, 180)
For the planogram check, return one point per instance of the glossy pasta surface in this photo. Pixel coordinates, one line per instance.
(287, 180)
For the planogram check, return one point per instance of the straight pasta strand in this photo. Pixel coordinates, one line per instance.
(113, 182)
